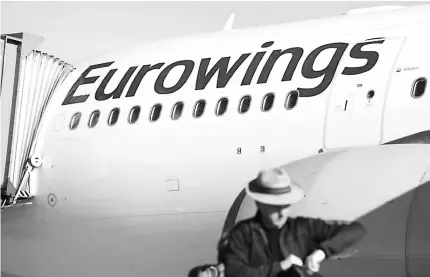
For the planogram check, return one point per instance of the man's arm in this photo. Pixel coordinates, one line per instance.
(235, 258)
(334, 238)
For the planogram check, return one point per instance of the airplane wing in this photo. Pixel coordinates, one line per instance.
(347, 184)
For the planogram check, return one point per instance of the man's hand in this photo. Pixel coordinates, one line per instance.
(289, 261)
(313, 261)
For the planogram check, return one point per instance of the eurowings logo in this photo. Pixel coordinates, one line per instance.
(226, 67)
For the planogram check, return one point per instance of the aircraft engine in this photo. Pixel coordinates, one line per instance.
(386, 188)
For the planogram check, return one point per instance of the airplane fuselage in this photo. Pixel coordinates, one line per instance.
(150, 198)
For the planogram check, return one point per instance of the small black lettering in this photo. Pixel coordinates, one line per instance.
(82, 80)
(159, 83)
(328, 72)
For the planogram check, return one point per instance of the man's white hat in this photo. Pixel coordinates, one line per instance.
(274, 187)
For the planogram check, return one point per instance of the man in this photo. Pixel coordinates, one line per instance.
(269, 244)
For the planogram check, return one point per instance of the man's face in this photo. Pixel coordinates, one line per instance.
(274, 216)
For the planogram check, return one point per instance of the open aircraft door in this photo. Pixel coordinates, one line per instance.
(355, 107)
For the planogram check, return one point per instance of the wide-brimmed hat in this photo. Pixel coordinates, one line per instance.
(274, 187)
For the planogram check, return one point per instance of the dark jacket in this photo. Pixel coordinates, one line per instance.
(245, 252)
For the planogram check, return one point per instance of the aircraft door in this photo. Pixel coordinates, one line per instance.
(356, 103)
(418, 234)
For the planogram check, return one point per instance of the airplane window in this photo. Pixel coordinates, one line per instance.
(199, 108)
(291, 100)
(155, 112)
(134, 114)
(94, 118)
(419, 87)
(177, 110)
(245, 103)
(222, 106)
(113, 117)
(74, 122)
(267, 102)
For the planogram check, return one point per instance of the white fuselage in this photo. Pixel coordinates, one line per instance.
(151, 198)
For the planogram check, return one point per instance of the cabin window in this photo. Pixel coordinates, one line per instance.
(199, 108)
(74, 122)
(134, 114)
(221, 107)
(244, 104)
(155, 112)
(419, 87)
(291, 100)
(177, 110)
(267, 103)
(94, 118)
(113, 116)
